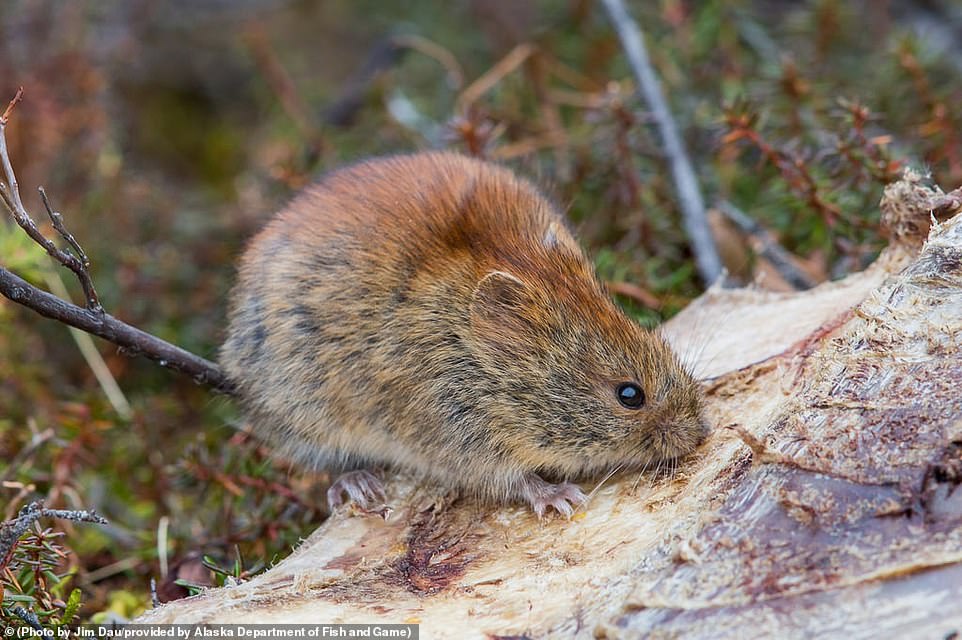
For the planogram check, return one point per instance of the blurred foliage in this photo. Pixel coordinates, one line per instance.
(168, 132)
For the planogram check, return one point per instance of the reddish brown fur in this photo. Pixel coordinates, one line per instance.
(432, 312)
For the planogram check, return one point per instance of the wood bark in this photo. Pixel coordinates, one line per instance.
(825, 503)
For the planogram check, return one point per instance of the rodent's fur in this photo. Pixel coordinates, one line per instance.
(433, 312)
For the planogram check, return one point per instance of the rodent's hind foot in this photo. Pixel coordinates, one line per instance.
(362, 487)
(563, 497)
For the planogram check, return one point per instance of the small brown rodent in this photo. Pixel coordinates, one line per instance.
(432, 312)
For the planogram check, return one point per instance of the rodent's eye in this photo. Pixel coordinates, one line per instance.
(631, 395)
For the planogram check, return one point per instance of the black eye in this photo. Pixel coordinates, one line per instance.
(630, 395)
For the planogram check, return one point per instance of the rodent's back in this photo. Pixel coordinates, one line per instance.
(349, 319)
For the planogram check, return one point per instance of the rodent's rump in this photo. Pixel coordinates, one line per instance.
(433, 312)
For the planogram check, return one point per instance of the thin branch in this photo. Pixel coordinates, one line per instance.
(92, 319)
(505, 66)
(11, 531)
(131, 340)
(779, 257)
(57, 221)
(455, 76)
(13, 103)
(11, 199)
(689, 195)
(636, 293)
(28, 617)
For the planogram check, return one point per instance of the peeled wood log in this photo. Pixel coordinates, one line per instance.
(824, 503)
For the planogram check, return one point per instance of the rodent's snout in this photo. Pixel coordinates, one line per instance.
(681, 437)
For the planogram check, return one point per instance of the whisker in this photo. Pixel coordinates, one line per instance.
(713, 335)
(591, 494)
(705, 333)
(641, 474)
(643, 444)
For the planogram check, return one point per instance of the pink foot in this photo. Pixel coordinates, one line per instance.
(362, 487)
(563, 497)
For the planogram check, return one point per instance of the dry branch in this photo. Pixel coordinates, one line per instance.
(91, 319)
(841, 516)
(11, 531)
(768, 248)
(131, 340)
(10, 195)
(689, 193)
(28, 617)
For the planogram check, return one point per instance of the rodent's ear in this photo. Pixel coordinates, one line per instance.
(502, 311)
(500, 290)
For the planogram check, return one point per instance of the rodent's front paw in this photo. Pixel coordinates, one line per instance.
(563, 497)
(362, 487)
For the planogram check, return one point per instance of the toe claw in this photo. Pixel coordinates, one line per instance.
(362, 487)
(563, 498)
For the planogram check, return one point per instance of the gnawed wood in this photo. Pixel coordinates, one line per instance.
(842, 518)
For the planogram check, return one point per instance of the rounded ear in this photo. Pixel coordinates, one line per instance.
(499, 291)
(502, 312)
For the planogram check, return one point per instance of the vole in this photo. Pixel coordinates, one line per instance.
(432, 312)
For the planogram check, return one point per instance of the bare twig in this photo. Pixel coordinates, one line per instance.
(410, 117)
(28, 617)
(633, 291)
(110, 570)
(455, 76)
(493, 76)
(130, 339)
(552, 139)
(689, 194)
(11, 531)
(57, 221)
(92, 319)
(13, 103)
(11, 198)
(779, 257)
